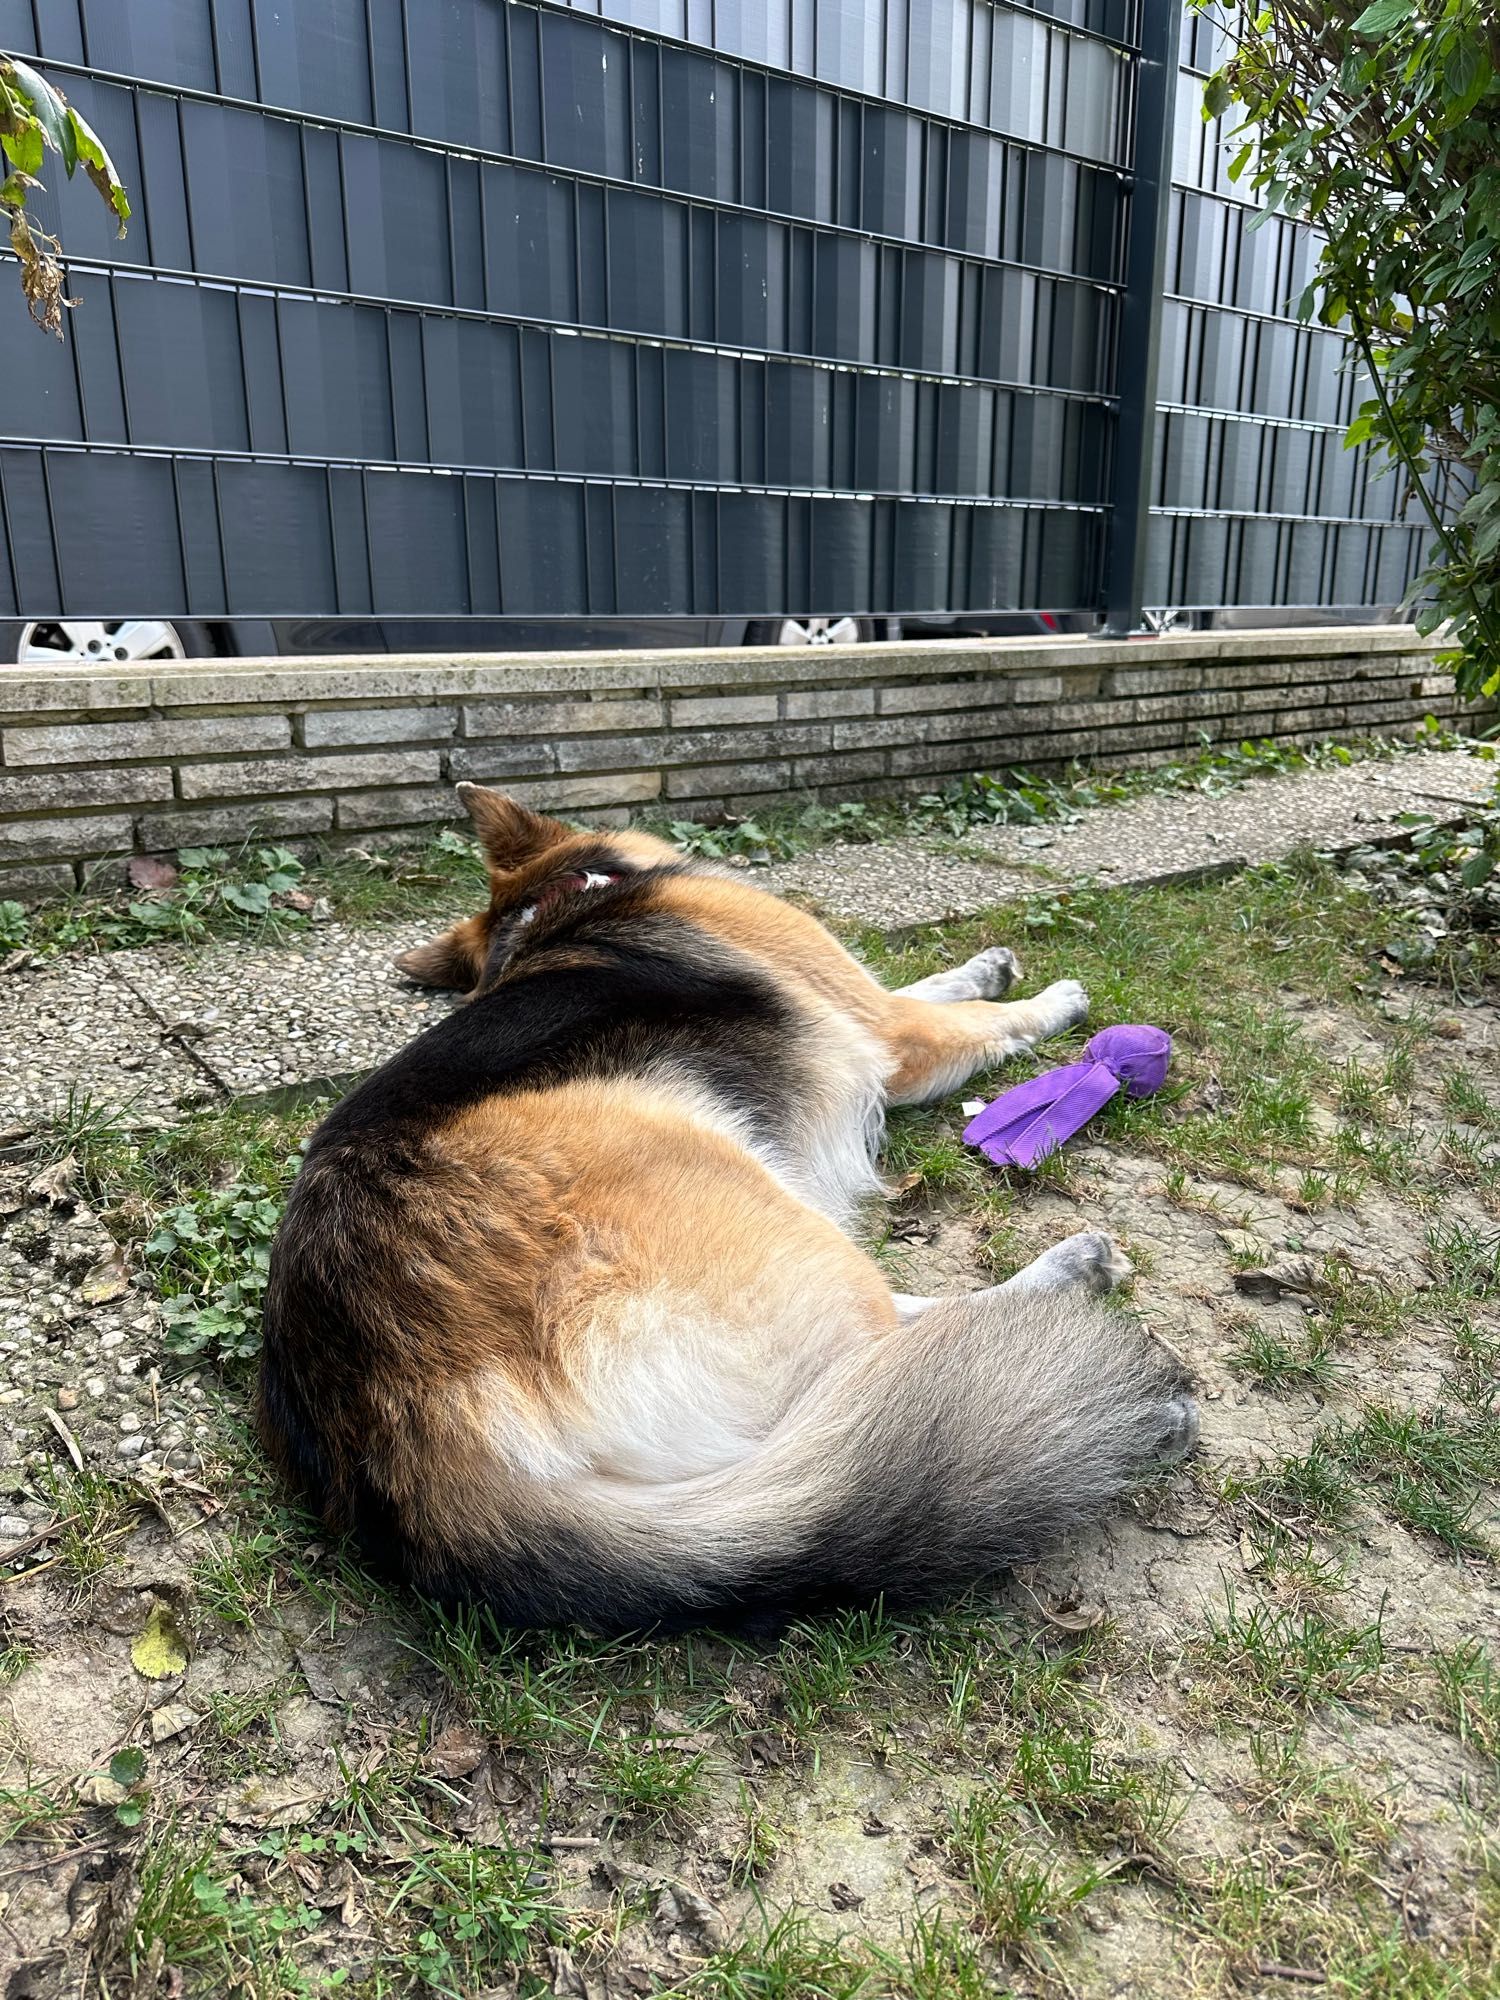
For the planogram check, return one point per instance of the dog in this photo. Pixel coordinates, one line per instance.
(563, 1317)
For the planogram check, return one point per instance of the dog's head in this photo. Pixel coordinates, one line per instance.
(530, 856)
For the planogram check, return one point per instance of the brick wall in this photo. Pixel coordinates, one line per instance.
(94, 766)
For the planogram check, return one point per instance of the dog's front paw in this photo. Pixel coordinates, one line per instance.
(994, 972)
(1062, 1005)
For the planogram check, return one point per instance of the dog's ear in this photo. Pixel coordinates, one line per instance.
(509, 832)
(455, 959)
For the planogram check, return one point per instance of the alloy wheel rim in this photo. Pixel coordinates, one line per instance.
(96, 642)
(819, 632)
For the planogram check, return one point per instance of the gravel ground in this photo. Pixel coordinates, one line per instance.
(80, 1335)
(262, 1016)
(896, 883)
(73, 1025)
(1184, 833)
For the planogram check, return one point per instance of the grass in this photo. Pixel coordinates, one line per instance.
(1265, 1357)
(1314, 1489)
(199, 1200)
(924, 1149)
(1321, 1806)
(1463, 1096)
(1469, 1682)
(1020, 1897)
(1244, 1094)
(238, 1580)
(986, 1666)
(1351, 1307)
(784, 1957)
(1267, 1909)
(1061, 1776)
(477, 1913)
(650, 1780)
(264, 894)
(820, 1667)
(95, 1511)
(1465, 1262)
(1271, 1663)
(535, 1691)
(1426, 1465)
(757, 1843)
(28, 1810)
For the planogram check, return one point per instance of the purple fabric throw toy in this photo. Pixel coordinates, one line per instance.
(1024, 1125)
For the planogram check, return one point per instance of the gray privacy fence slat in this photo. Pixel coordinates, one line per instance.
(541, 79)
(227, 536)
(708, 306)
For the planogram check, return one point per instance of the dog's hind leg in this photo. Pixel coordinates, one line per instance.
(1090, 1260)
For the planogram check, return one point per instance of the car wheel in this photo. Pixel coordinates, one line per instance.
(810, 632)
(84, 642)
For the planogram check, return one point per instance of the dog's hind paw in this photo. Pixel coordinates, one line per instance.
(1179, 1428)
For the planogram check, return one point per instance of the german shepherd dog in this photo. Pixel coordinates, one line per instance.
(563, 1319)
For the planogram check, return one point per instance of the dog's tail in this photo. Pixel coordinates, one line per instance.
(952, 1448)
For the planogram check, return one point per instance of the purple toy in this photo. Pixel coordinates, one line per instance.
(1024, 1125)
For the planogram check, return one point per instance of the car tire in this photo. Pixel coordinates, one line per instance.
(37, 643)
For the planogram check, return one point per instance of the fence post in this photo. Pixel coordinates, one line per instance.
(1139, 344)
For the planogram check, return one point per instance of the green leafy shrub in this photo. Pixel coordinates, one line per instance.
(1380, 126)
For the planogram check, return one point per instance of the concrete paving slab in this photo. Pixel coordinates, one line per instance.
(265, 1016)
(1442, 777)
(72, 1026)
(892, 884)
(1175, 834)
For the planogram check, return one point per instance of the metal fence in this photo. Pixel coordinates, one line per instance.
(713, 306)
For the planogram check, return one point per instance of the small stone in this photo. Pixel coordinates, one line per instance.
(67, 1399)
(14, 1528)
(130, 1421)
(130, 1446)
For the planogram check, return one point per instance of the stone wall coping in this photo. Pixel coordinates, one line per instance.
(393, 677)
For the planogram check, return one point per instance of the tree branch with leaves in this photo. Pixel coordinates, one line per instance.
(36, 119)
(1379, 125)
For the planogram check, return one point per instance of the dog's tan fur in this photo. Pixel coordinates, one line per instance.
(590, 1339)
